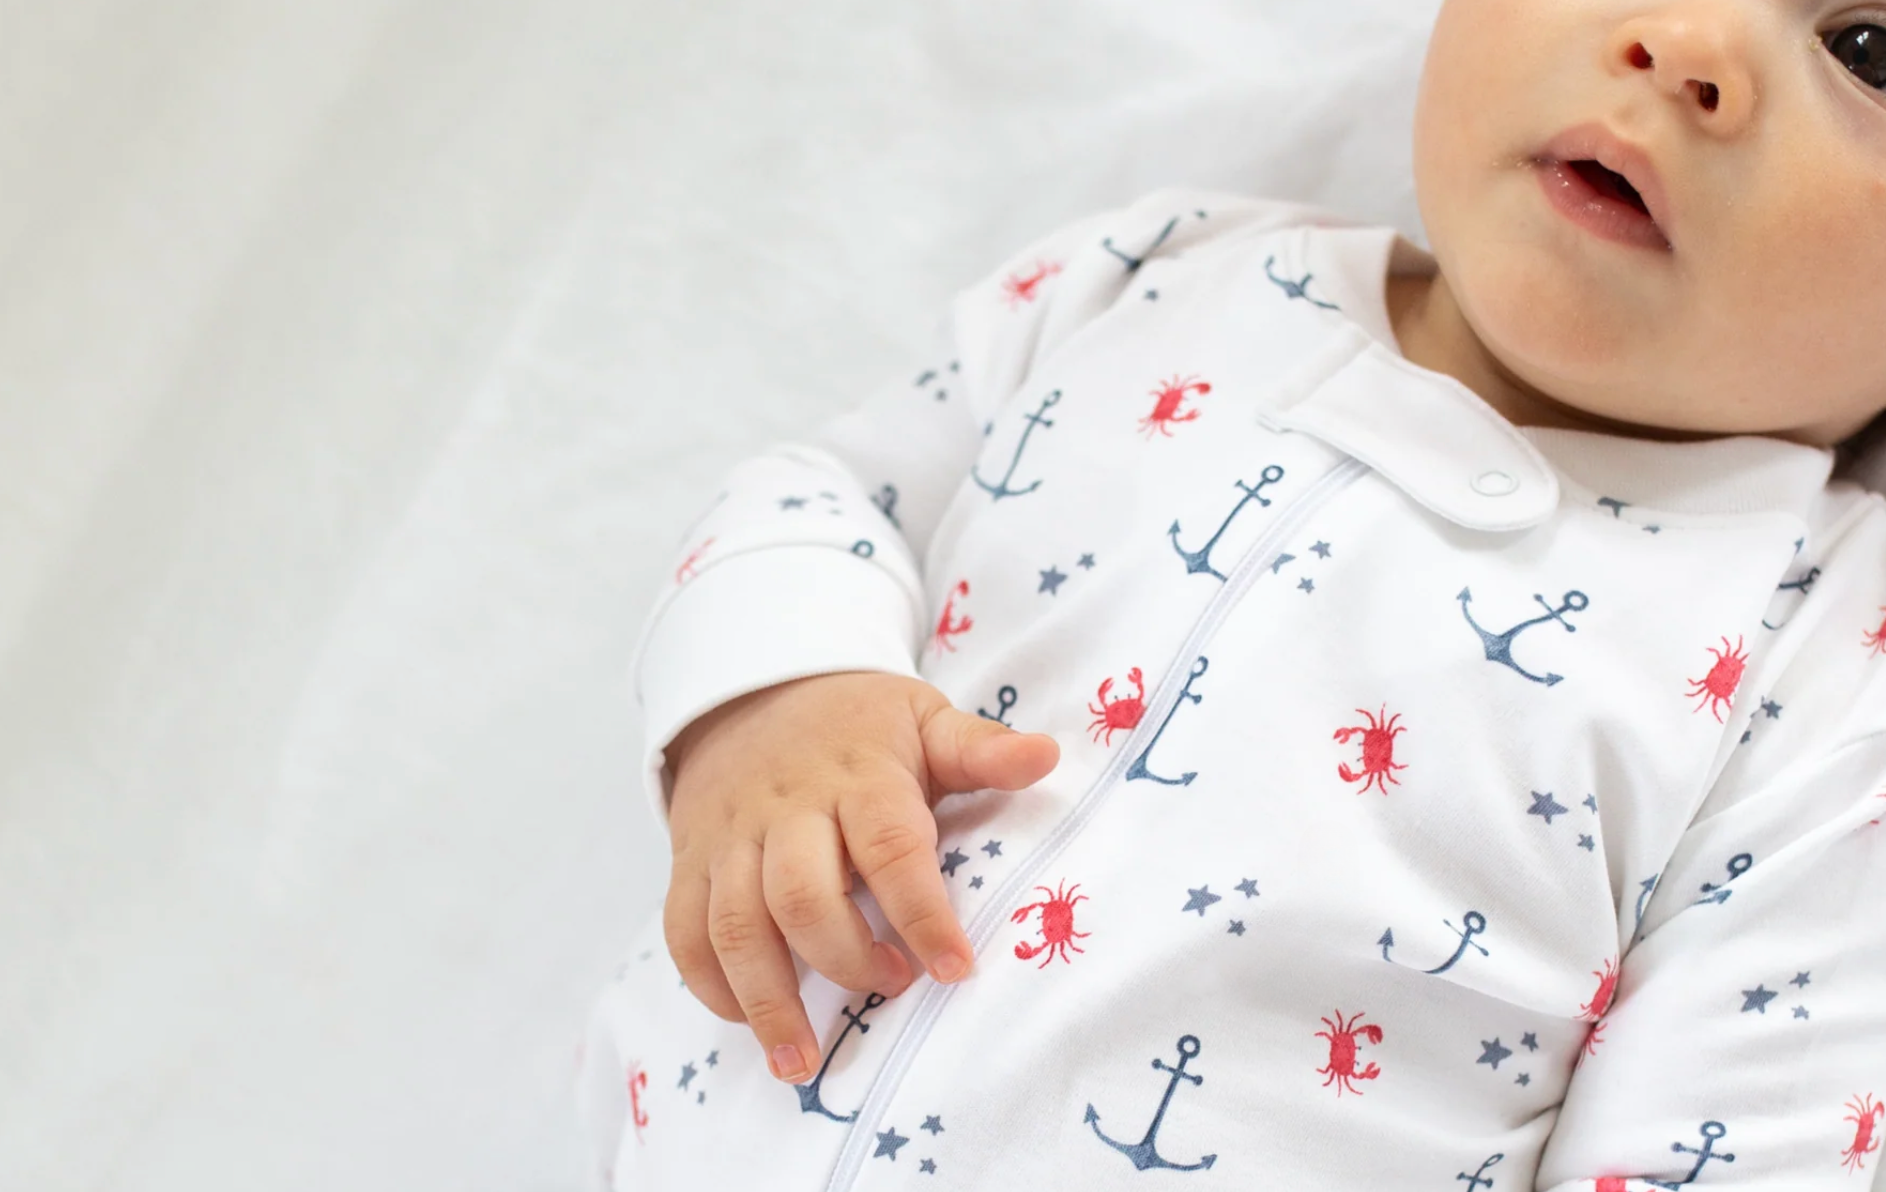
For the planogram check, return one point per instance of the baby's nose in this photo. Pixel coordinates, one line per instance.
(1696, 51)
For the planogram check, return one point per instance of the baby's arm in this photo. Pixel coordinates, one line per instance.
(1746, 1046)
(779, 671)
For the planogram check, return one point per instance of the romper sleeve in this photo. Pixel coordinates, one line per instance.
(1746, 1044)
(810, 562)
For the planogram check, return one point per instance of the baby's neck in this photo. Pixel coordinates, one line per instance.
(1434, 334)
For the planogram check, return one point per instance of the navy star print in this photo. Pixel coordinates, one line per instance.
(1545, 806)
(888, 1142)
(1201, 898)
(1492, 1053)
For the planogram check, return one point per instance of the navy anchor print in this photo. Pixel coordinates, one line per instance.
(810, 1098)
(1499, 646)
(1004, 704)
(1712, 1133)
(1296, 290)
(1145, 1153)
(1480, 1178)
(1473, 923)
(1139, 769)
(1133, 263)
(1803, 585)
(1738, 865)
(1038, 418)
(1198, 562)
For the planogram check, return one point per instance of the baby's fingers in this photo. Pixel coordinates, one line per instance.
(684, 926)
(891, 835)
(805, 874)
(758, 966)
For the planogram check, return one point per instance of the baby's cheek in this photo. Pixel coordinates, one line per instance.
(1802, 331)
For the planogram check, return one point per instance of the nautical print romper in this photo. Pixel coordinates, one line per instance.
(1442, 805)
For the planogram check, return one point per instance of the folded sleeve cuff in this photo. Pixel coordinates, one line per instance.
(761, 618)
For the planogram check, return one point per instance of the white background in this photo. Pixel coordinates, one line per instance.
(361, 364)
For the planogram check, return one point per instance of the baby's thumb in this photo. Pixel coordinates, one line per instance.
(969, 753)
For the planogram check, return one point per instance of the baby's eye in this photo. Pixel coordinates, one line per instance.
(1862, 50)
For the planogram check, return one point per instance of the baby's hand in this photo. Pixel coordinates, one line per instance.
(778, 797)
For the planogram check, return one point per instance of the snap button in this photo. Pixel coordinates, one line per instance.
(1495, 484)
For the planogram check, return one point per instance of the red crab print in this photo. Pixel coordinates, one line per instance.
(1341, 1069)
(1057, 925)
(1611, 1183)
(1865, 1118)
(1123, 713)
(1600, 1004)
(1717, 688)
(1378, 751)
(945, 627)
(1019, 289)
(685, 572)
(1600, 1001)
(638, 1080)
(1876, 640)
(1168, 410)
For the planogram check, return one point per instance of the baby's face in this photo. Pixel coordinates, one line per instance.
(1755, 302)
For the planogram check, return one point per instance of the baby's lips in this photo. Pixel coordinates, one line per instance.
(1594, 142)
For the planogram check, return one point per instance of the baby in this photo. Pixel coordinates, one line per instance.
(1274, 708)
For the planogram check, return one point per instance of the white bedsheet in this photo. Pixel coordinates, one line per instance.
(360, 363)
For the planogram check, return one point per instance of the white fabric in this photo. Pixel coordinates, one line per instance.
(361, 363)
(1668, 785)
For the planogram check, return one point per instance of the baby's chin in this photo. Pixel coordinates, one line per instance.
(1527, 307)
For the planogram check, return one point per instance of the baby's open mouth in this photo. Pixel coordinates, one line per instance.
(1609, 182)
(1602, 200)
(1584, 173)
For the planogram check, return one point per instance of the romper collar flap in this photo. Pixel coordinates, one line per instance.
(1426, 433)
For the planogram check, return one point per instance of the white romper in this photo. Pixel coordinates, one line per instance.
(1442, 805)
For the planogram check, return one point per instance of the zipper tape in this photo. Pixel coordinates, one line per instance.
(851, 1158)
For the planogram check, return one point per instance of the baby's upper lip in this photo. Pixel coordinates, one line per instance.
(1595, 142)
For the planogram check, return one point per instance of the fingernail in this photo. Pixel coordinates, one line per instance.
(948, 967)
(786, 1062)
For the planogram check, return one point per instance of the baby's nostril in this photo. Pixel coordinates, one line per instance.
(1640, 57)
(1710, 96)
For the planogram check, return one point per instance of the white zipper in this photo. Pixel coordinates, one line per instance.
(851, 1159)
